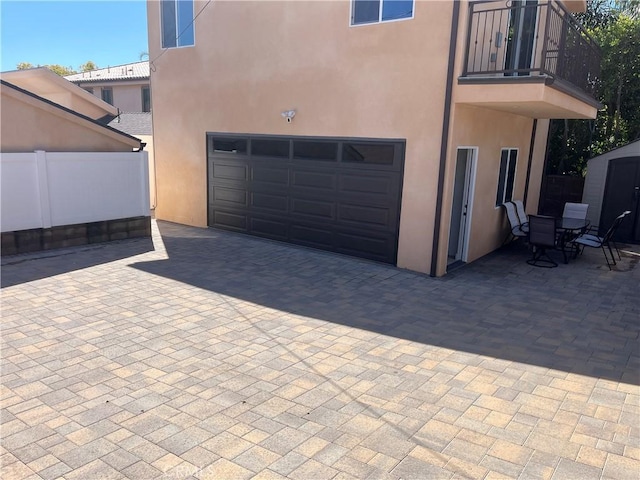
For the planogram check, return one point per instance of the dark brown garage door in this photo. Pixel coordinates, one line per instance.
(341, 195)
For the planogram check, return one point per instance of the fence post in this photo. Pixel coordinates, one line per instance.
(146, 195)
(43, 187)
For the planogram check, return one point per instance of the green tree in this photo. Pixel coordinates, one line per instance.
(60, 70)
(88, 66)
(615, 25)
(620, 80)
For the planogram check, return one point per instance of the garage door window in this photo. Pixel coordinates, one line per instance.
(378, 154)
(270, 148)
(310, 150)
(229, 145)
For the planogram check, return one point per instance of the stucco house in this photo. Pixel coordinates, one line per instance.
(67, 177)
(126, 87)
(390, 130)
(41, 110)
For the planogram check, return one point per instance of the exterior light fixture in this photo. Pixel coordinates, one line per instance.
(288, 115)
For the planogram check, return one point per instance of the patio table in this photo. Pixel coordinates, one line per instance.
(568, 229)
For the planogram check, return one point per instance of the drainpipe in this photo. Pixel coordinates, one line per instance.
(444, 143)
(531, 145)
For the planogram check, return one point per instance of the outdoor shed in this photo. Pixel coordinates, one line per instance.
(612, 185)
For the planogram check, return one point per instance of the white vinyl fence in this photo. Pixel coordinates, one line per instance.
(47, 189)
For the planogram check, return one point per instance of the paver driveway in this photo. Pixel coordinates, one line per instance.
(220, 356)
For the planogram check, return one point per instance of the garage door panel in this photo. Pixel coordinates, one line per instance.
(231, 172)
(352, 243)
(305, 191)
(312, 236)
(230, 196)
(365, 199)
(278, 230)
(270, 176)
(366, 216)
(276, 203)
(315, 208)
(233, 221)
(373, 184)
(315, 180)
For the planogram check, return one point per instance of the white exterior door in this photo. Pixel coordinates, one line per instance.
(461, 205)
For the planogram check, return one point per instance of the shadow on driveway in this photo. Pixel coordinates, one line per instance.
(48, 262)
(579, 318)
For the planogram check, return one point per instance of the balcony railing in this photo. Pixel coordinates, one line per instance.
(524, 38)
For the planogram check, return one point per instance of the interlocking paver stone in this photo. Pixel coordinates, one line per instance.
(205, 354)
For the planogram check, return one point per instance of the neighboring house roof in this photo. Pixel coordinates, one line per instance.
(127, 138)
(129, 71)
(134, 123)
(46, 84)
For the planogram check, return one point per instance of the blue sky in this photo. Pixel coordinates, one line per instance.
(69, 33)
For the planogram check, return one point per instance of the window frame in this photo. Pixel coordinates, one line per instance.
(106, 89)
(142, 90)
(380, 10)
(506, 172)
(177, 32)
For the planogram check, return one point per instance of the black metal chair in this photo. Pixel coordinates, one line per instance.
(594, 241)
(542, 236)
(613, 240)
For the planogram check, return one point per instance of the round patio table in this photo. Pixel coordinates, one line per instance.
(568, 229)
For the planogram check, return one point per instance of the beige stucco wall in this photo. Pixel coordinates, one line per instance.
(537, 166)
(127, 96)
(490, 127)
(28, 124)
(529, 99)
(382, 81)
(367, 81)
(148, 139)
(46, 84)
(490, 131)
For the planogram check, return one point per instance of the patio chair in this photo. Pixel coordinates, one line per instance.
(517, 229)
(613, 240)
(594, 241)
(575, 210)
(522, 215)
(542, 236)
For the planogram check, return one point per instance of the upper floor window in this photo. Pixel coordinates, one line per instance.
(146, 99)
(107, 95)
(507, 176)
(177, 23)
(374, 11)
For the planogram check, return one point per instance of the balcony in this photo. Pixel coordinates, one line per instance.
(533, 59)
